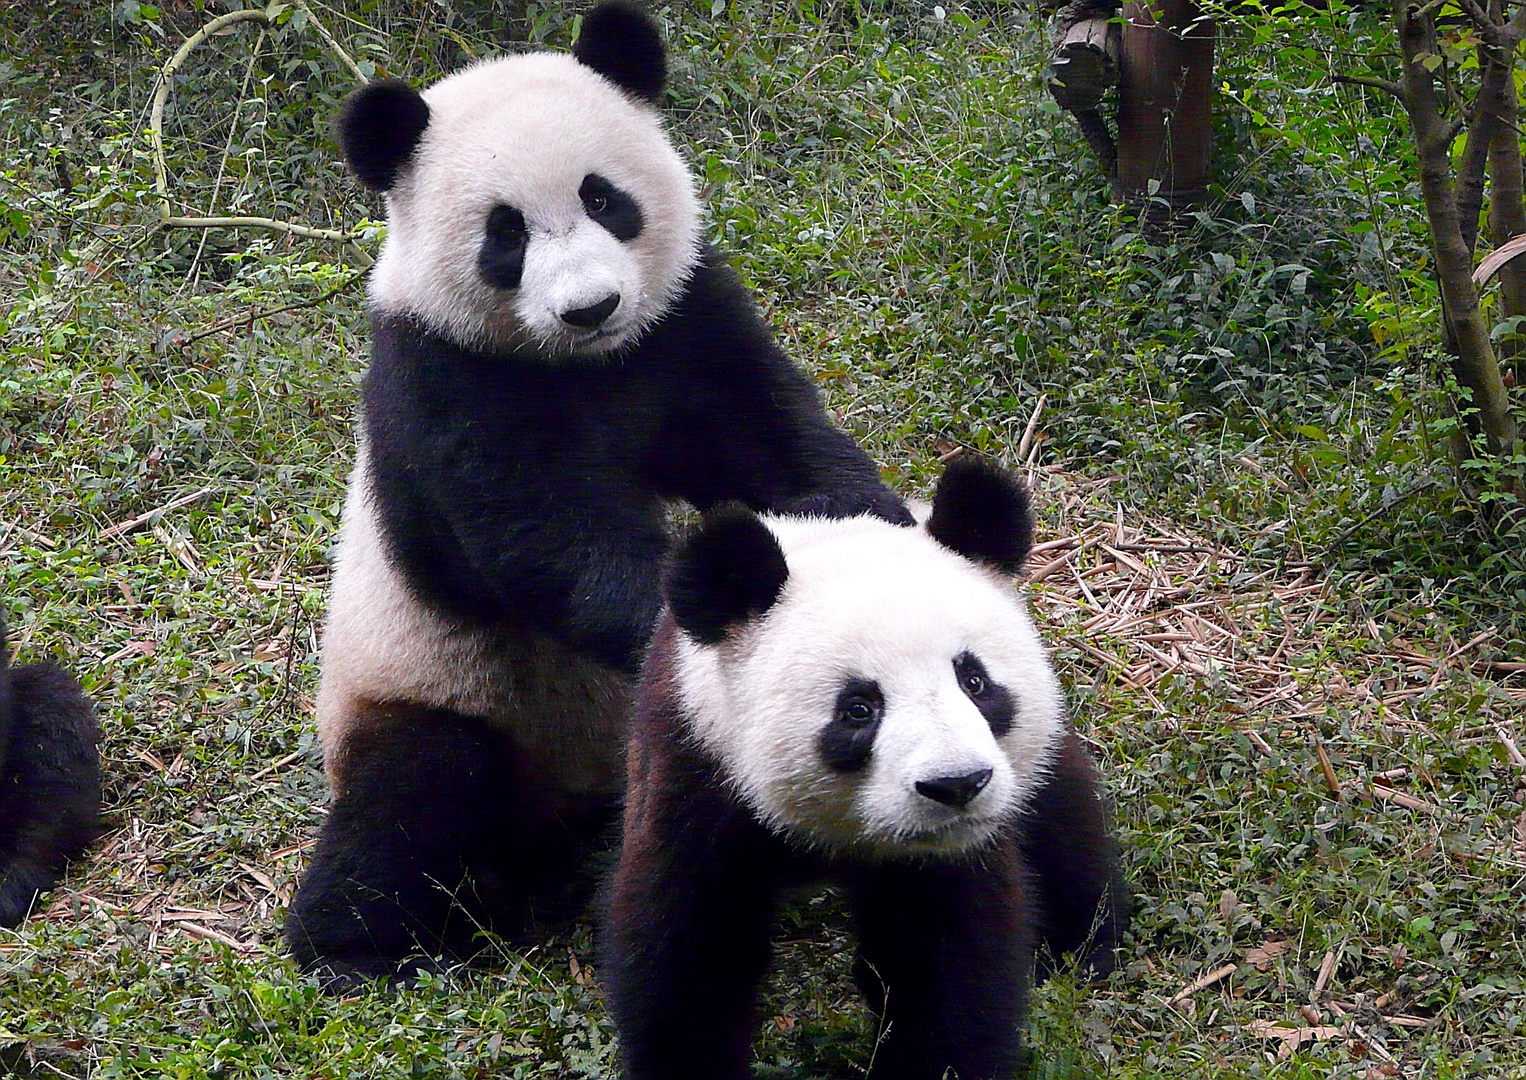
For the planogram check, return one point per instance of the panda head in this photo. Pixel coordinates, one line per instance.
(534, 202)
(869, 689)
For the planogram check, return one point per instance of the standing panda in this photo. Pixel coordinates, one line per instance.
(863, 701)
(558, 360)
(50, 785)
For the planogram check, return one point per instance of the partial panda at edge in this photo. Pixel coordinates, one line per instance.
(50, 786)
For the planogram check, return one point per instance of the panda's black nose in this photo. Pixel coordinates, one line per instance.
(587, 318)
(955, 791)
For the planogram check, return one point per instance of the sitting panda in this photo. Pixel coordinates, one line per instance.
(558, 361)
(867, 702)
(50, 787)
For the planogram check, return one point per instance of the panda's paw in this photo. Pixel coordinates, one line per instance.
(16, 901)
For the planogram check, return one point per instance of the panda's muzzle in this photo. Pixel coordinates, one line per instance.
(955, 791)
(592, 316)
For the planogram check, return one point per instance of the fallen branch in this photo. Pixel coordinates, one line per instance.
(155, 514)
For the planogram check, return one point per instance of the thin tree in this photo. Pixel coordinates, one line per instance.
(1430, 88)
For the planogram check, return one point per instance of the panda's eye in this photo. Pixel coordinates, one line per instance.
(858, 711)
(846, 743)
(501, 259)
(859, 704)
(994, 700)
(971, 674)
(612, 208)
(505, 225)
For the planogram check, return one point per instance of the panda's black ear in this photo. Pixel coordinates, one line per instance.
(378, 129)
(728, 570)
(622, 43)
(981, 511)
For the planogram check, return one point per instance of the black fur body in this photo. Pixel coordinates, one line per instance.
(515, 490)
(50, 787)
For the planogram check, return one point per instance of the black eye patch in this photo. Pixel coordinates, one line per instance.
(845, 743)
(501, 260)
(992, 699)
(611, 208)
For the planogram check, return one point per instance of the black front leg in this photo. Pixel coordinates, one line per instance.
(436, 836)
(1069, 846)
(944, 957)
(686, 942)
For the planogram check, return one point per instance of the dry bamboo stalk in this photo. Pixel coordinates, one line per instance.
(1511, 749)
(1033, 423)
(1326, 972)
(1404, 799)
(1050, 567)
(1050, 545)
(1202, 982)
(1325, 767)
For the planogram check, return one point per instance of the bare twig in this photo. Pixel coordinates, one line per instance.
(254, 316)
(256, 222)
(334, 46)
(165, 83)
(277, 765)
(222, 164)
(162, 93)
(1388, 86)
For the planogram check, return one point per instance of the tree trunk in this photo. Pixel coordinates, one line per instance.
(1507, 215)
(1474, 364)
(1164, 88)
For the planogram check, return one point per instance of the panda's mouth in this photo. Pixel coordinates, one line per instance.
(611, 336)
(949, 837)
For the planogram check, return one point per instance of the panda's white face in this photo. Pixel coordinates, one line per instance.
(894, 701)
(542, 210)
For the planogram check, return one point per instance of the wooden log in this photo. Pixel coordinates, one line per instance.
(1085, 63)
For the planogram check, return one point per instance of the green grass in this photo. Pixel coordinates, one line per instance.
(931, 240)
